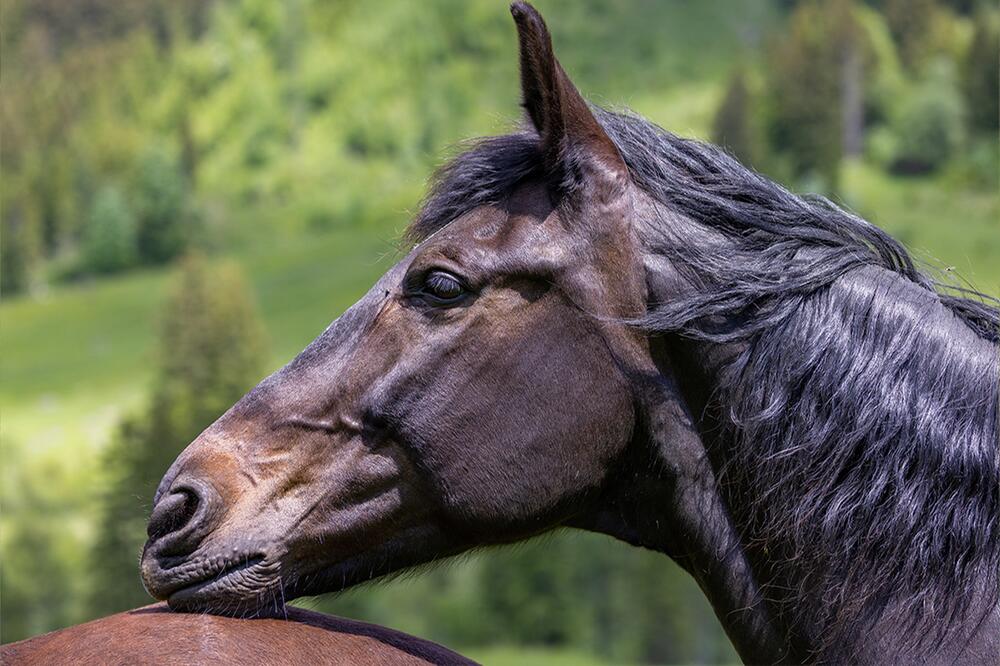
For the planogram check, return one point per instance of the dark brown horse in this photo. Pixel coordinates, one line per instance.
(603, 326)
(154, 635)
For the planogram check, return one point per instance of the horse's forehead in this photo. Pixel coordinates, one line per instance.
(530, 200)
(519, 218)
(523, 218)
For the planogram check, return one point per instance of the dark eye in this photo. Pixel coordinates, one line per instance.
(443, 286)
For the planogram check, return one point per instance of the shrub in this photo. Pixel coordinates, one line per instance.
(928, 126)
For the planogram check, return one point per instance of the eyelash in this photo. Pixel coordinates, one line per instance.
(437, 282)
(432, 283)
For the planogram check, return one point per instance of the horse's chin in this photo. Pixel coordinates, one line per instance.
(256, 589)
(235, 582)
(242, 576)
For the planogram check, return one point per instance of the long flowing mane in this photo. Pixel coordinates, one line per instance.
(862, 408)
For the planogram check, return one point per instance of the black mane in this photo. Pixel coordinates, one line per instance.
(708, 185)
(862, 410)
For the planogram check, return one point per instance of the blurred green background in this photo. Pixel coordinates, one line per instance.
(192, 190)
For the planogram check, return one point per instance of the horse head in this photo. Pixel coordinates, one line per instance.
(480, 393)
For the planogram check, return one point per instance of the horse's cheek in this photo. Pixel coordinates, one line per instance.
(514, 441)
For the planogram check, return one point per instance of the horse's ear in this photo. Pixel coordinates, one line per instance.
(574, 144)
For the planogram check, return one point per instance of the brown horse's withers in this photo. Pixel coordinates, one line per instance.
(154, 635)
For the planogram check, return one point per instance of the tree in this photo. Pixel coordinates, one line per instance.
(18, 248)
(211, 350)
(529, 593)
(910, 22)
(929, 124)
(38, 583)
(115, 584)
(733, 126)
(981, 75)
(160, 197)
(805, 84)
(109, 242)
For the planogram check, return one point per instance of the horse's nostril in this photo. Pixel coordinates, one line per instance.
(183, 517)
(172, 513)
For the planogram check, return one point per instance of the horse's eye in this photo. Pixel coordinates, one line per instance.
(443, 286)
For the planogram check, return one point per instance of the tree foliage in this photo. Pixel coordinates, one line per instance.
(211, 350)
(164, 219)
(38, 585)
(733, 126)
(981, 74)
(805, 123)
(18, 249)
(911, 23)
(929, 127)
(109, 238)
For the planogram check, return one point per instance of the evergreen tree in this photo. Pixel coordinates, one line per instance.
(529, 592)
(160, 196)
(733, 126)
(910, 22)
(981, 75)
(18, 249)
(37, 583)
(109, 237)
(114, 574)
(211, 351)
(805, 124)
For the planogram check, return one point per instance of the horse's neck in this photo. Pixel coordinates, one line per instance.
(705, 543)
(700, 536)
(708, 545)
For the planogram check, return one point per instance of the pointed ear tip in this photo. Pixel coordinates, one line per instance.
(519, 9)
(523, 13)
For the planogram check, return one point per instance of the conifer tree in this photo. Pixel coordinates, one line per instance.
(806, 85)
(910, 22)
(981, 75)
(109, 239)
(211, 351)
(19, 244)
(733, 127)
(529, 593)
(160, 197)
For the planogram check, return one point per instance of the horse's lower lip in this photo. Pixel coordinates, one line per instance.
(231, 580)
